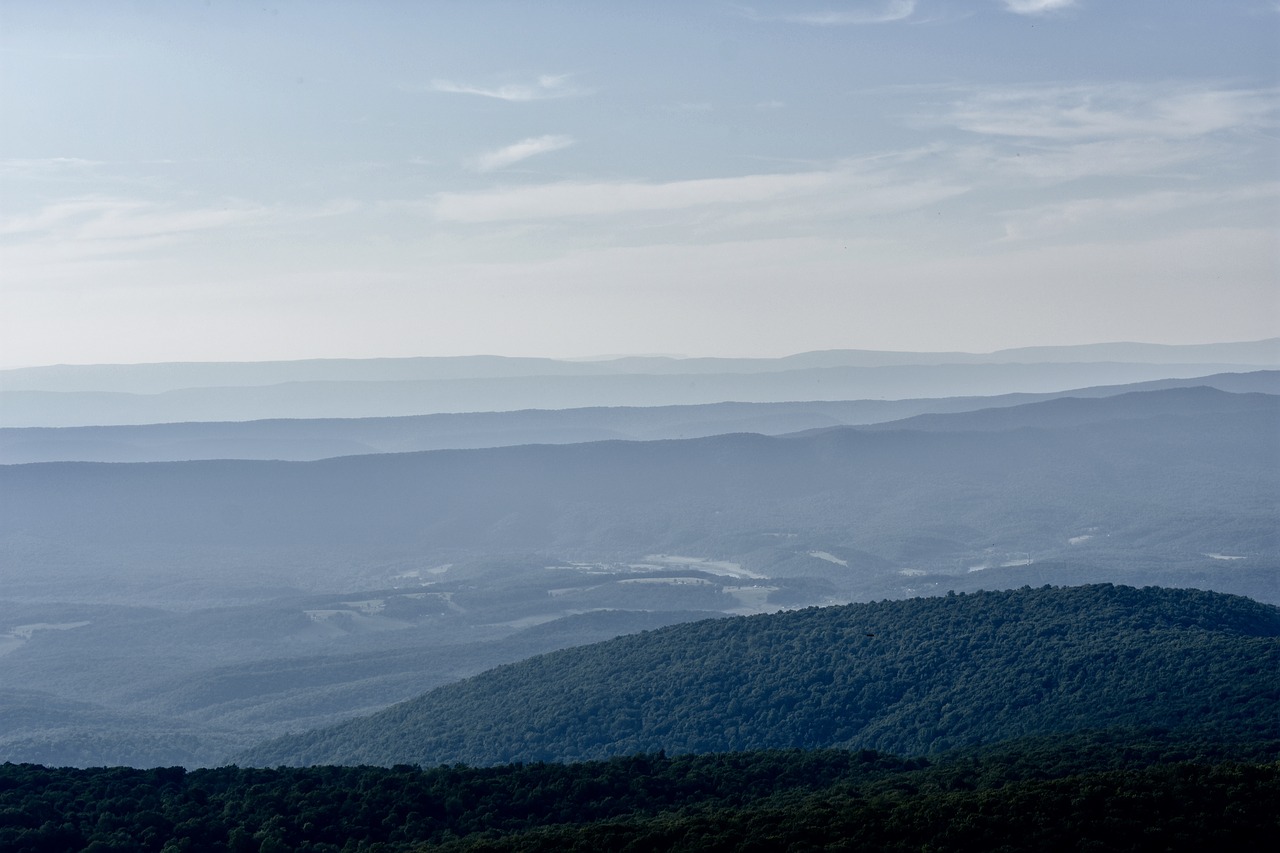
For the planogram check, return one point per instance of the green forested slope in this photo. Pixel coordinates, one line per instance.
(915, 676)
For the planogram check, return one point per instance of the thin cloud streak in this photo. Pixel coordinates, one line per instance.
(872, 13)
(1036, 7)
(847, 189)
(110, 225)
(1097, 112)
(34, 167)
(1056, 163)
(518, 151)
(1052, 219)
(545, 87)
(551, 201)
(870, 200)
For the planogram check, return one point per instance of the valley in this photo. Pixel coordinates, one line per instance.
(216, 603)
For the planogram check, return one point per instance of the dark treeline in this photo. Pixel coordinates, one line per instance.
(1176, 807)
(1118, 790)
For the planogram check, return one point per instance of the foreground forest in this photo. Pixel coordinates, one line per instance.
(1131, 789)
(1087, 718)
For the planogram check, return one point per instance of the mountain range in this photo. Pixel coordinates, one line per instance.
(96, 395)
(297, 439)
(177, 592)
(1180, 475)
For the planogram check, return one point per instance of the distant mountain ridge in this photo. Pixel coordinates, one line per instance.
(1193, 478)
(168, 376)
(87, 395)
(386, 398)
(310, 439)
(1062, 412)
(917, 676)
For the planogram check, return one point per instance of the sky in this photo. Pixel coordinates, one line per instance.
(199, 181)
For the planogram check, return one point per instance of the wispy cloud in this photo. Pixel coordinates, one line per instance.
(87, 236)
(848, 14)
(1056, 162)
(1099, 112)
(66, 213)
(522, 150)
(550, 201)
(1036, 7)
(848, 188)
(101, 220)
(545, 87)
(1064, 133)
(1051, 219)
(115, 218)
(44, 166)
(99, 239)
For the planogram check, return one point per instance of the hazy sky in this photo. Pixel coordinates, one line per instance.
(236, 180)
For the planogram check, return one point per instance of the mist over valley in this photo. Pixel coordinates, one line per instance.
(214, 603)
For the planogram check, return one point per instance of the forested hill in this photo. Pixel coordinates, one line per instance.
(913, 676)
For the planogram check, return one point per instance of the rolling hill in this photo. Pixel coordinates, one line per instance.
(914, 676)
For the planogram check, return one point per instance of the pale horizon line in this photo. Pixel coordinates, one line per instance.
(618, 357)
